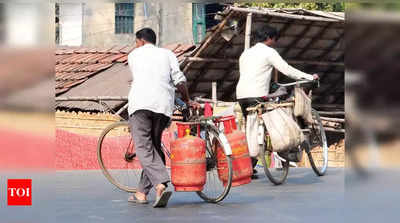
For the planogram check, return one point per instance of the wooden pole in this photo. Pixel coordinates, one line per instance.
(232, 60)
(284, 15)
(99, 98)
(331, 113)
(208, 40)
(334, 130)
(214, 92)
(329, 106)
(218, 60)
(248, 31)
(319, 63)
(341, 120)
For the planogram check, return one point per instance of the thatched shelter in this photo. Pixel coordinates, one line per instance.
(312, 41)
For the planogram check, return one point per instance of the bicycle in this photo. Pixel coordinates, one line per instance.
(122, 168)
(315, 140)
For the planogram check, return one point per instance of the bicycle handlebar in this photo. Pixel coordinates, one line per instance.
(298, 83)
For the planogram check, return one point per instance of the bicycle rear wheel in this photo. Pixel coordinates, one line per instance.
(215, 190)
(318, 147)
(117, 158)
(276, 174)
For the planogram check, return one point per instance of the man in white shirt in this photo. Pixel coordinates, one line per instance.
(256, 65)
(155, 74)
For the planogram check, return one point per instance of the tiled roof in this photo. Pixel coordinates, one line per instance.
(76, 65)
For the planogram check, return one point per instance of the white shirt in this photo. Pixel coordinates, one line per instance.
(155, 72)
(256, 65)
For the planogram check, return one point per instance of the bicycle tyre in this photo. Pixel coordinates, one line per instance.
(219, 196)
(276, 176)
(100, 149)
(318, 132)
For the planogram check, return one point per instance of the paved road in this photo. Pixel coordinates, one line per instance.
(86, 196)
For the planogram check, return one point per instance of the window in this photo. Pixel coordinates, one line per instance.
(210, 11)
(124, 14)
(199, 23)
(203, 19)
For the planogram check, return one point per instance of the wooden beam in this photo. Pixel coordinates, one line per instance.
(99, 98)
(314, 40)
(331, 113)
(294, 42)
(194, 84)
(334, 130)
(336, 26)
(282, 32)
(320, 71)
(332, 46)
(218, 60)
(209, 39)
(284, 15)
(329, 106)
(229, 60)
(292, 36)
(318, 63)
(341, 120)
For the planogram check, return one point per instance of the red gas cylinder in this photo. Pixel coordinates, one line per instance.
(188, 163)
(241, 162)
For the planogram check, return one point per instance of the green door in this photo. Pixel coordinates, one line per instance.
(199, 22)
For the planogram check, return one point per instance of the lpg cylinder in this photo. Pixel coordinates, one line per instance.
(241, 162)
(188, 163)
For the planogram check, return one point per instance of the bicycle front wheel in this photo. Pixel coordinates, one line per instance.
(215, 190)
(117, 158)
(277, 174)
(318, 146)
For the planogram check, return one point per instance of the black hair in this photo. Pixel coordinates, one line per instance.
(264, 33)
(147, 34)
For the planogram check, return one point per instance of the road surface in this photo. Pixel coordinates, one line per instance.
(86, 196)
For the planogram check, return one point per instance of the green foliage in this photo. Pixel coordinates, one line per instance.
(387, 6)
(330, 7)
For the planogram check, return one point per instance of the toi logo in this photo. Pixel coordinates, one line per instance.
(19, 192)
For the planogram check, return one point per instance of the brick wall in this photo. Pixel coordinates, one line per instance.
(336, 155)
(84, 123)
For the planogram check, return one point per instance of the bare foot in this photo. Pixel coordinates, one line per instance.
(159, 189)
(139, 196)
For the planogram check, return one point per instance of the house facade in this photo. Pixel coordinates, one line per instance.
(106, 23)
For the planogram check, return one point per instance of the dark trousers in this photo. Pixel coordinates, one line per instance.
(146, 129)
(244, 104)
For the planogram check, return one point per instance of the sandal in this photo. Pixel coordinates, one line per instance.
(133, 199)
(162, 200)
